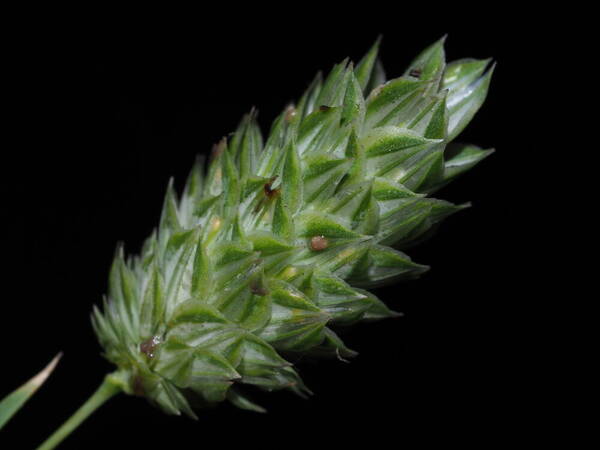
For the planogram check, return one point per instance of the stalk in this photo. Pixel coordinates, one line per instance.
(109, 387)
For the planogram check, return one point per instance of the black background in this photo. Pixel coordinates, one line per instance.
(102, 122)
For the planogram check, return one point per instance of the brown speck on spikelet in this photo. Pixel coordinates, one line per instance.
(318, 243)
(290, 113)
(324, 108)
(149, 345)
(415, 73)
(218, 149)
(269, 192)
(257, 288)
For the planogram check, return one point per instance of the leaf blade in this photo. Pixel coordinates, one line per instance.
(10, 404)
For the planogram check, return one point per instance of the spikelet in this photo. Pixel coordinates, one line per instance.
(272, 243)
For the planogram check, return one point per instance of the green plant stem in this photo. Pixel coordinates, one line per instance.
(107, 389)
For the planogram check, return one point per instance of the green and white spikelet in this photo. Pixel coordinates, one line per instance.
(272, 244)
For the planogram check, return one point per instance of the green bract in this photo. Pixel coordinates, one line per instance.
(272, 243)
